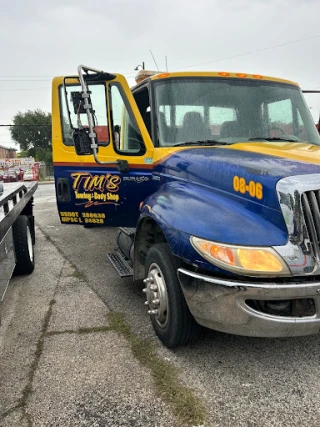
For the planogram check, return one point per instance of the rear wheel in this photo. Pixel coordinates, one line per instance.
(23, 244)
(170, 316)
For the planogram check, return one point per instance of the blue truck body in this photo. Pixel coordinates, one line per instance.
(223, 231)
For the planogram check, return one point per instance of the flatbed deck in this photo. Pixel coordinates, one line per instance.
(15, 200)
(12, 202)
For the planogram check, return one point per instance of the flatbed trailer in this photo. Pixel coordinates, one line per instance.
(17, 231)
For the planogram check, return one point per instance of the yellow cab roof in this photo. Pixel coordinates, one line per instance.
(220, 74)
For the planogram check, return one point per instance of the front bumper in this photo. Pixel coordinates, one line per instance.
(221, 305)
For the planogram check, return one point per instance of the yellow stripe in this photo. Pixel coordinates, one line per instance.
(300, 152)
(216, 74)
(162, 153)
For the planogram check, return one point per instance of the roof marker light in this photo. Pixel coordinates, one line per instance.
(160, 76)
(241, 75)
(224, 74)
(257, 76)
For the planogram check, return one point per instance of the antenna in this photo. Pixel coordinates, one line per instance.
(154, 59)
(166, 63)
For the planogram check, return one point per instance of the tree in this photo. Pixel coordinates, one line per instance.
(22, 154)
(32, 131)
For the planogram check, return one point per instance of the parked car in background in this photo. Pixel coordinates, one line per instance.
(19, 172)
(10, 176)
(28, 175)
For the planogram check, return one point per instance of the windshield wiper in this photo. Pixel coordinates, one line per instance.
(204, 142)
(259, 138)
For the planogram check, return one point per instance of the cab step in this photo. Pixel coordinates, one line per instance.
(120, 263)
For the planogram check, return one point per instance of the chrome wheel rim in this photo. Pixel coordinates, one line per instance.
(30, 245)
(157, 295)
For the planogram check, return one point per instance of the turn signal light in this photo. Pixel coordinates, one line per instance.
(220, 253)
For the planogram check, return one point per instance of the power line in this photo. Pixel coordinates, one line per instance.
(18, 90)
(251, 52)
(188, 66)
(43, 78)
(49, 77)
(10, 126)
(15, 80)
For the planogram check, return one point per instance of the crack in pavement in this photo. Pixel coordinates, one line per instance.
(27, 390)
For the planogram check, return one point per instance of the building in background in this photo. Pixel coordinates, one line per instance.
(7, 153)
(23, 162)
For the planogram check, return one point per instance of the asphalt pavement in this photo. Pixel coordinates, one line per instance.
(77, 349)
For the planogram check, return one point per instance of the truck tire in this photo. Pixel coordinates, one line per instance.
(173, 323)
(22, 238)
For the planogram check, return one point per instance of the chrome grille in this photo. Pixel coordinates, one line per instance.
(310, 201)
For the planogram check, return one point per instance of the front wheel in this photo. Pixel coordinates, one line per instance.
(170, 316)
(23, 245)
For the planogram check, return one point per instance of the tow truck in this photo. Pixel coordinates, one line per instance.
(17, 232)
(214, 181)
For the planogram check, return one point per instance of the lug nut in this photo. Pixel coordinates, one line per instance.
(156, 302)
(152, 311)
(146, 281)
(145, 290)
(146, 303)
(153, 288)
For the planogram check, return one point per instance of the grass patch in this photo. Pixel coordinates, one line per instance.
(78, 275)
(186, 405)
(94, 329)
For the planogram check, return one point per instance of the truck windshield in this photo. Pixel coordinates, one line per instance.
(196, 110)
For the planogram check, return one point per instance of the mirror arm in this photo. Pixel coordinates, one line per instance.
(87, 107)
(122, 165)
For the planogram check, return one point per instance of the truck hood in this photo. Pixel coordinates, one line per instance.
(260, 163)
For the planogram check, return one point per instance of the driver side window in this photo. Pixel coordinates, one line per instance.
(127, 139)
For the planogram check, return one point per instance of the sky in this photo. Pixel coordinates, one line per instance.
(40, 39)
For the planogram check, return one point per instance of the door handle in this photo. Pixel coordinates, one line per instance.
(63, 190)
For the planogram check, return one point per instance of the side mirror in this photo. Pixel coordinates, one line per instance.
(82, 141)
(77, 101)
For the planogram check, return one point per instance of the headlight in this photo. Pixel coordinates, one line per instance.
(251, 261)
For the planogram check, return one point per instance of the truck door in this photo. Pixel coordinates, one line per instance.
(105, 185)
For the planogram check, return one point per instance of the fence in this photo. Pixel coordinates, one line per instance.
(46, 172)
